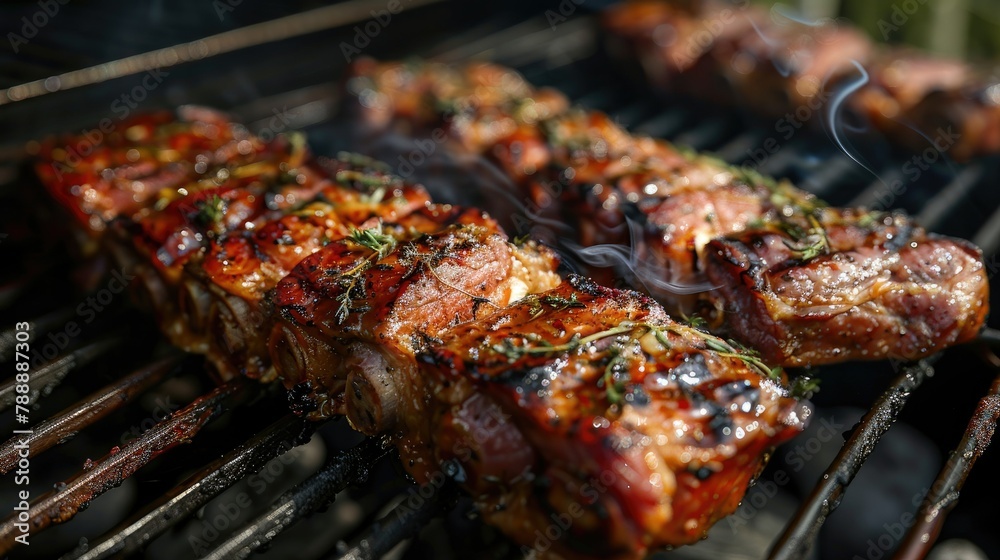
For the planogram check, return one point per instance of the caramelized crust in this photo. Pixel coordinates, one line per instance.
(591, 404)
(887, 289)
(425, 322)
(121, 173)
(351, 299)
(650, 209)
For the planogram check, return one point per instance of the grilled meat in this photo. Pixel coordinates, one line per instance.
(242, 266)
(555, 408)
(124, 168)
(356, 311)
(887, 289)
(424, 321)
(577, 168)
(776, 65)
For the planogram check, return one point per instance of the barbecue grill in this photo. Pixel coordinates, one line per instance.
(111, 406)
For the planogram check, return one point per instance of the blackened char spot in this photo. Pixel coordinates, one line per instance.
(301, 400)
(901, 238)
(636, 396)
(585, 285)
(533, 380)
(691, 372)
(739, 254)
(721, 424)
(702, 473)
(739, 392)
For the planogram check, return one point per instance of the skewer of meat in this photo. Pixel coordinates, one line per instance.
(829, 284)
(773, 65)
(541, 397)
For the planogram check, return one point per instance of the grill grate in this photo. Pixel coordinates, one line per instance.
(567, 57)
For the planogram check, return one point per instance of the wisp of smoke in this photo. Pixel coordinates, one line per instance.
(832, 117)
(626, 258)
(773, 46)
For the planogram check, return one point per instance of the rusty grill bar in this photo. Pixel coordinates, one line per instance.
(566, 63)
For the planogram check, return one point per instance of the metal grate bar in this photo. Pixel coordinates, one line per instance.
(401, 523)
(797, 539)
(735, 150)
(870, 197)
(988, 236)
(47, 377)
(252, 35)
(63, 426)
(832, 172)
(664, 125)
(534, 40)
(197, 490)
(318, 490)
(943, 495)
(64, 503)
(945, 201)
(43, 324)
(704, 134)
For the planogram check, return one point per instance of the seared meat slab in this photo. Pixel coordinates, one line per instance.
(887, 289)
(424, 321)
(364, 304)
(577, 168)
(591, 404)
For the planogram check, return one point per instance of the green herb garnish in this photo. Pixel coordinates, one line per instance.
(210, 211)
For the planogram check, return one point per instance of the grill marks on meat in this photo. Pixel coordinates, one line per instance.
(579, 169)
(773, 65)
(123, 172)
(208, 246)
(887, 290)
(591, 403)
(243, 265)
(425, 322)
(366, 313)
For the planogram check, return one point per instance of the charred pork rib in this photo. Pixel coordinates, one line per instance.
(556, 407)
(542, 398)
(826, 284)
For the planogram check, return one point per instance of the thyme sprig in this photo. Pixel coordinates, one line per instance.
(804, 386)
(367, 180)
(376, 241)
(615, 390)
(210, 211)
(373, 239)
(731, 349)
(513, 351)
(794, 210)
(559, 303)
